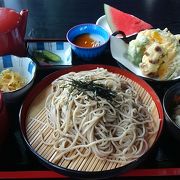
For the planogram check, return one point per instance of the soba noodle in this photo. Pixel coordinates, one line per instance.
(116, 129)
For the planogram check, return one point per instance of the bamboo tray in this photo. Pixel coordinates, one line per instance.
(33, 106)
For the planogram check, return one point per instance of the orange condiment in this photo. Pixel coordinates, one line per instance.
(88, 40)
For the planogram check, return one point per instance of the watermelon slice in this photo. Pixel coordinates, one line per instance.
(120, 21)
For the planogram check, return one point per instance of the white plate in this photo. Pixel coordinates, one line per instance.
(119, 52)
(119, 49)
(103, 23)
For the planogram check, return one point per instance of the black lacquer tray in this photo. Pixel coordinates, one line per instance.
(16, 161)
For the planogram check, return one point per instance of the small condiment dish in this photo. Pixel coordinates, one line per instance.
(88, 40)
(25, 67)
(170, 102)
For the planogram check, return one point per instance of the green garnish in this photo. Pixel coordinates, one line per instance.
(98, 89)
(46, 55)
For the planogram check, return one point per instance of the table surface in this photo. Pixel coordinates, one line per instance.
(51, 19)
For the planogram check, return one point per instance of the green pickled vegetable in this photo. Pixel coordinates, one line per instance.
(45, 55)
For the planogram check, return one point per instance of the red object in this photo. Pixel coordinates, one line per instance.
(12, 31)
(53, 175)
(4, 122)
(120, 21)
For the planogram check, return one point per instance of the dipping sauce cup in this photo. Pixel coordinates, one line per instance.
(88, 40)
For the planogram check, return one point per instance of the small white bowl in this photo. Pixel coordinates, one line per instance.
(25, 67)
(103, 23)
